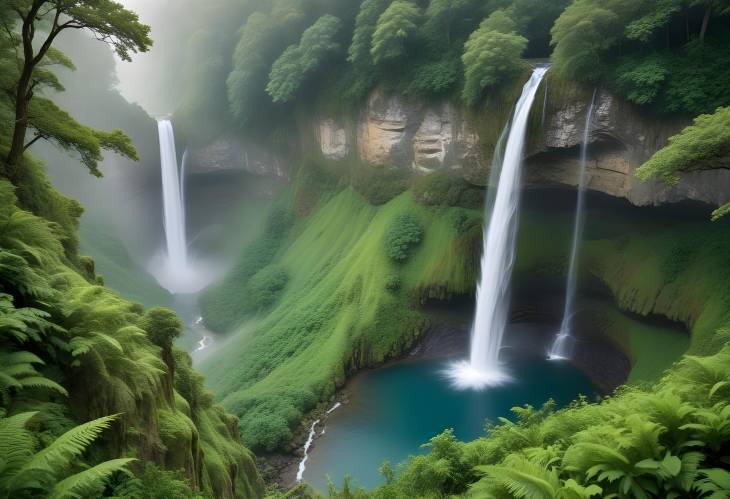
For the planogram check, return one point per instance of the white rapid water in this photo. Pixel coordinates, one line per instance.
(310, 440)
(562, 347)
(483, 368)
(172, 198)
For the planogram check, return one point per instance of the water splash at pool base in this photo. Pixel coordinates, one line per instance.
(464, 376)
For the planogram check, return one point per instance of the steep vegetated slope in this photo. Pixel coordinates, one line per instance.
(318, 295)
(330, 299)
(74, 351)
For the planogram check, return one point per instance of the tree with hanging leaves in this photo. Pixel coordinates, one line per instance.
(29, 29)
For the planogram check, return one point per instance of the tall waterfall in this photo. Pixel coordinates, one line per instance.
(483, 367)
(172, 198)
(562, 347)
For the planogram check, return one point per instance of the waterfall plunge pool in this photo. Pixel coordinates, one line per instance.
(395, 409)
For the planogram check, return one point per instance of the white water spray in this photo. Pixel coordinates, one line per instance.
(562, 347)
(483, 369)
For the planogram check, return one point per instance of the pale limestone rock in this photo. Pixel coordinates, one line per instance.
(381, 135)
(433, 139)
(333, 140)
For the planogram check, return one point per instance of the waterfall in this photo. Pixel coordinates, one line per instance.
(483, 367)
(176, 269)
(173, 209)
(562, 347)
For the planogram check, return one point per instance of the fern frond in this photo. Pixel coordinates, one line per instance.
(16, 443)
(20, 357)
(41, 382)
(88, 482)
(67, 446)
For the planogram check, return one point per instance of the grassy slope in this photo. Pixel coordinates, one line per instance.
(335, 313)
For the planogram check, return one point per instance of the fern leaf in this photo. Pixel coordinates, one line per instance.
(88, 482)
(16, 443)
(21, 357)
(7, 381)
(41, 382)
(69, 445)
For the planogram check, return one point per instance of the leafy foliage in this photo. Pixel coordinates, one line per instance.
(395, 25)
(637, 48)
(362, 37)
(440, 188)
(492, 54)
(403, 235)
(703, 145)
(46, 471)
(298, 61)
(27, 59)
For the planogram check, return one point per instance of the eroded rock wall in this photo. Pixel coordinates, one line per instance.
(424, 137)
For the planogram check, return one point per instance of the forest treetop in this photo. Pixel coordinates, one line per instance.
(671, 55)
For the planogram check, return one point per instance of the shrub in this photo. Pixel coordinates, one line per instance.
(464, 221)
(392, 282)
(379, 184)
(440, 188)
(402, 236)
(265, 287)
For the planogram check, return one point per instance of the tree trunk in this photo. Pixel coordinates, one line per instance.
(705, 21)
(20, 127)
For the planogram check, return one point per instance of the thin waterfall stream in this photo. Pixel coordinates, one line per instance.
(483, 368)
(562, 347)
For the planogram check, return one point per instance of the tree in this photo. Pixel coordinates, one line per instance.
(395, 26)
(534, 19)
(262, 38)
(580, 35)
(442, 14)
(298, 61)
(701, 146)
(107, 21)
(658, 16)
(719, 7)
(492, 53)
(362, 36)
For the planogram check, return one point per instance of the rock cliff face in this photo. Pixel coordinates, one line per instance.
(622, 137)
(411, 134)
(235, 153)
(425, 137)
